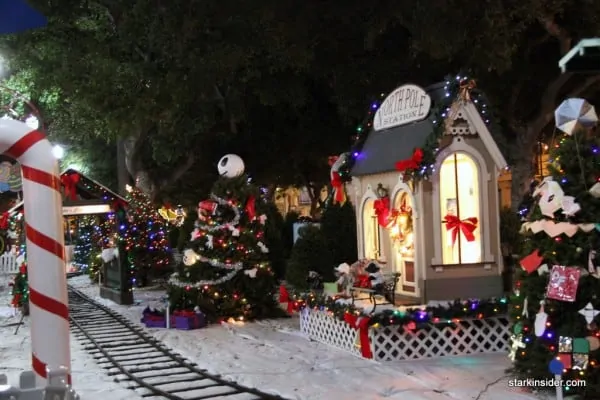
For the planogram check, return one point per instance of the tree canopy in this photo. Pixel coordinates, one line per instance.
(184, 82)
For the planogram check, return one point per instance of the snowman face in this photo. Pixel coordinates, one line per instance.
(231, 166)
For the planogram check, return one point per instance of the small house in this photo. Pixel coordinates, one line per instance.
(441, 233)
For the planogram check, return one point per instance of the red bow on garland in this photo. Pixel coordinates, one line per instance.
(339, 193)
(411, 163)
(466, 226)
(251, 208)
(385, 216)
(362, 325)
(4, 220)
(70, 183)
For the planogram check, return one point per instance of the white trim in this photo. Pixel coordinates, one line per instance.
(485, 135)
(578, 48)
(402, 187)
(500, 258)
(459, 145)
(369, 194)
(356, 184)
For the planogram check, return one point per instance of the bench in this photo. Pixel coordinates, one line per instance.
(389, 291)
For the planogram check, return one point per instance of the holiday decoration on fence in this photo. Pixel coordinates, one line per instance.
(410, 318)
(420, 166)
(225, 269)
(559, 265)
(146, 239)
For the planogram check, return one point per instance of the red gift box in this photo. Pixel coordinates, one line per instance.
(566, 359)
(563, 283)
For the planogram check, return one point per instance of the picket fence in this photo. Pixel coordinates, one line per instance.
(8, 264)
(392, 343)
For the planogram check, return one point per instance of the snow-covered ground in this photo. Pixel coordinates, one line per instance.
(275, 357)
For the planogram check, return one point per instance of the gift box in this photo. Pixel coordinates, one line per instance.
(154, 319)
(187, 320)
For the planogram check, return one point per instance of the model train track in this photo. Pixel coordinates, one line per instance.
(142, 363)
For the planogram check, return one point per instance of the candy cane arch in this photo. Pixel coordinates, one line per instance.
(45, 246)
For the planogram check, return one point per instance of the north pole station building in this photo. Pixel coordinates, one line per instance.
(82, 197)
(463, 186)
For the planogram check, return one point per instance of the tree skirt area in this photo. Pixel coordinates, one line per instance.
(89, 380)
(275, 357)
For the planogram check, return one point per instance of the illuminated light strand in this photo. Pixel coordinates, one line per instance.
(175, 281)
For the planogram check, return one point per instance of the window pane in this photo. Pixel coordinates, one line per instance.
(370, 227)
(459, 196)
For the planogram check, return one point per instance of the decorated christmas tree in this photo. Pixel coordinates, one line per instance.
(226, 269)
(20, 289)
(556, 327)
(146, 239)
(83, 244)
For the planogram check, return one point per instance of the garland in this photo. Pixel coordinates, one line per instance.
(456, 87)
(417, 318)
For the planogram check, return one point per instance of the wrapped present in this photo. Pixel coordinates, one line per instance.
(362, 281)
(154, 318)
(187, 320)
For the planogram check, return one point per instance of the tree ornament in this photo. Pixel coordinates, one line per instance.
(209, 242)
(251, 272)
(190, 257)
(589, 313)
(595, 190)
(525, 311)
(594, 343)
(563, 283)
(517, 343)
(231, 166)
(541, 319)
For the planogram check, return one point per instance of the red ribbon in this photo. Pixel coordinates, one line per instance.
(361, 323)
(70, 184)
(4, 220)
(385, 216)
(251, 208)
(411, 163)
(466, 226)
(339, 194)
(284, 296)
(183, 313)
(23, 269)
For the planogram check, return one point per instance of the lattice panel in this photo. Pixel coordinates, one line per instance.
(465, 337)
(324, 328)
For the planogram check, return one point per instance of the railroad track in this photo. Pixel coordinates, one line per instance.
(142, 363)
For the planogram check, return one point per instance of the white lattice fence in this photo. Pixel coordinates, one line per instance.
(324, 328)
(390, 343)
(464, 337)
(8, 264)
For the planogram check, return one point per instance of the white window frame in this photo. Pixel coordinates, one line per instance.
(459, 145)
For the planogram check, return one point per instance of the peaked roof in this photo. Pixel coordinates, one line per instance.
(85, 185)
(383, 149)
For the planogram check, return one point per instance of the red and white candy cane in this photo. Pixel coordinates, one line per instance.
(45, 245)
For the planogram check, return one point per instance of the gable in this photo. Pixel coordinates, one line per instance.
(383, 149)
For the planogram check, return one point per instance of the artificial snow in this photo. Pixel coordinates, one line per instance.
(275, 357)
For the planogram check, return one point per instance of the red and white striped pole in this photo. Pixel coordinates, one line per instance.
(45, 246)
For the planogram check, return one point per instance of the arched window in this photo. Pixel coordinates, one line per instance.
(459, 197)
(371, 233)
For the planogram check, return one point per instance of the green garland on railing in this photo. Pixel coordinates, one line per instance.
(431, 146)
(450, 313)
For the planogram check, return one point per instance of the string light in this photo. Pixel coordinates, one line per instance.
(439, 112)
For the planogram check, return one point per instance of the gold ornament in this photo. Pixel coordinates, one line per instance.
(466, 86)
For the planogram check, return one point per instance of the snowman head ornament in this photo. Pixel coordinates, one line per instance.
(231, 166)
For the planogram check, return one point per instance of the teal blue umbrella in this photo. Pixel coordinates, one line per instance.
(18, 16)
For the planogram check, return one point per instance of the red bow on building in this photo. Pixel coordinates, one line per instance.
(360, 323)
(70, 183)
(385, 216)
(331, 160)
(411, 163)
(339, 193)
(4, 220)
(466, 226)
(118, 205)
(251, 208)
